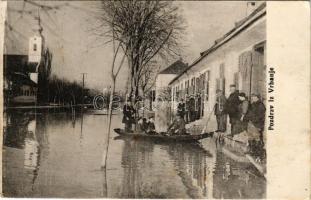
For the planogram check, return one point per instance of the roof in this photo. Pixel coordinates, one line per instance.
(18, 63)
(15, 63)
(23, 79)
(176, 68)
(244, 23)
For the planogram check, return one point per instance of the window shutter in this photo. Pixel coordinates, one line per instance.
(252, 69)
(236, 79)
(258, 74)
(217, 84)
(245, 69)
(222, 70)
(222, 84)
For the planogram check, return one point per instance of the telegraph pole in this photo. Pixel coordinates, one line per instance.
(83, 75)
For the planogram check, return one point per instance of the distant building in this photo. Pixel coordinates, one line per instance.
(163, 93)
(19, 88)
(238, 57)
(167, 75)
(21, 73)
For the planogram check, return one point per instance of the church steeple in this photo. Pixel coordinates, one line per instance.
(36, 43)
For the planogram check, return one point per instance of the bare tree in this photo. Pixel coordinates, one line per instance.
(115, 69)
(148, 77)
(142, 30)
(145, 29)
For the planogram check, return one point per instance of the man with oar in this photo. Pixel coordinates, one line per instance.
(178, 127)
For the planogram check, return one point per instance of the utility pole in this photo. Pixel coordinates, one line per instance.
(83, 75)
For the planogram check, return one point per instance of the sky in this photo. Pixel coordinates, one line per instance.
(76, 50)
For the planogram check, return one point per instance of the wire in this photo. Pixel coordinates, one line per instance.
(10, 27)
(41, 5)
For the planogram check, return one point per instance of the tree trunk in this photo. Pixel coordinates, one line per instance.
(105, 154)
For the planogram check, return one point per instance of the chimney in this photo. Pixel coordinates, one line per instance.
(250, 7)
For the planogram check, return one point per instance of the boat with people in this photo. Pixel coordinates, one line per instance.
(163, 136)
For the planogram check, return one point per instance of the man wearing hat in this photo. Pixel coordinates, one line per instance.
(178, 127)
(232, 106)
(181, 108)
(256, 118)
(241, 123)
(221, 117)
(256, 114)
(243, 106)
(128, 116)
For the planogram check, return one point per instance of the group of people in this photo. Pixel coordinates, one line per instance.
(146, 125)
(191, 109)
(143, 124)
(242, 112)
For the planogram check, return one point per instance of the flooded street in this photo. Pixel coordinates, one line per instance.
(58, 155)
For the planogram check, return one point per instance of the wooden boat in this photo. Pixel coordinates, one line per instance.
(162, 137)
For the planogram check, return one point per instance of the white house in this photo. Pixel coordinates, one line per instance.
(162, 93)
(238, 57)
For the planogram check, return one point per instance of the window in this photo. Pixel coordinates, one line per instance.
(191, 90)
(236, 79)
(34, 47)
(220, 82)
(187, 87)
(260, 48)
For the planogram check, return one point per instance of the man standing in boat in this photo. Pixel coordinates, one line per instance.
(128, 116)
(181, 108)
(221, 117)
(191, 108)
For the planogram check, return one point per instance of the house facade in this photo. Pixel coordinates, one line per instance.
(21, 73)
(163, 93)
(238, 57)
(19, 87)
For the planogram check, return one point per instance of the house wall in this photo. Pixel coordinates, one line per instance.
(163, 80)
(228, 54)
(162, 108)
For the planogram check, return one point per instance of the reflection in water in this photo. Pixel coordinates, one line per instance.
(245, 179)
(48, 156)
(31, 147)
(135, 157)
(190, 162)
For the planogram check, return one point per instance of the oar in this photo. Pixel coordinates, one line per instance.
(209, 117)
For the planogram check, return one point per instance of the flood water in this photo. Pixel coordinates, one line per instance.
(57, 155)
